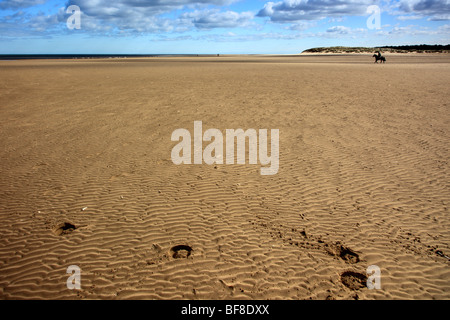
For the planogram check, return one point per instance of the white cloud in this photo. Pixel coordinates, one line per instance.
(210, 19)
(404, 18)
(17, 4)
(302, 25)
(414, 31)
(439, 17)
(298, 10)
(125, 17)
(105, 9)
(339, 29)
(146, 16)
(434, 9)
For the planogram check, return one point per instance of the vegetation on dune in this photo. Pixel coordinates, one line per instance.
(423, 48)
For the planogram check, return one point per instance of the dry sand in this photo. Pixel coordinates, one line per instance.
(363, 180)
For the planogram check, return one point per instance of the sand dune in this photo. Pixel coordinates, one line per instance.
(87, 179)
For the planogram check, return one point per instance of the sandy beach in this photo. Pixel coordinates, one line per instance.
(87, 178)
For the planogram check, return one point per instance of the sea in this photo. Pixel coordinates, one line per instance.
(94, 56)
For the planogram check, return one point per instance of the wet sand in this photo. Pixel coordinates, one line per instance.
(87, 178)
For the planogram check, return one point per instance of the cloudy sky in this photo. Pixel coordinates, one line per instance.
(217, 26)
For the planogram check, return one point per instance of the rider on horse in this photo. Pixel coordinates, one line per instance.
(378, 57)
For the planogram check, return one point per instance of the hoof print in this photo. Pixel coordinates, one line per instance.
(180, 252)
(64, 228)
(346, 254)
(354, 280)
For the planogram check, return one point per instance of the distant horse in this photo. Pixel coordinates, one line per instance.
(377, 58)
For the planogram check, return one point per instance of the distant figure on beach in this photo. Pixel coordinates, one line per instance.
(379, 57)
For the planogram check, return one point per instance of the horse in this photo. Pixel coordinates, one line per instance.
(377, 57)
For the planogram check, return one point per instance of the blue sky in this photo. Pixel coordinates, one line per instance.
(217, 26)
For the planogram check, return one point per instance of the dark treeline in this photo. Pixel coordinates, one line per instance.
(421, 47)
